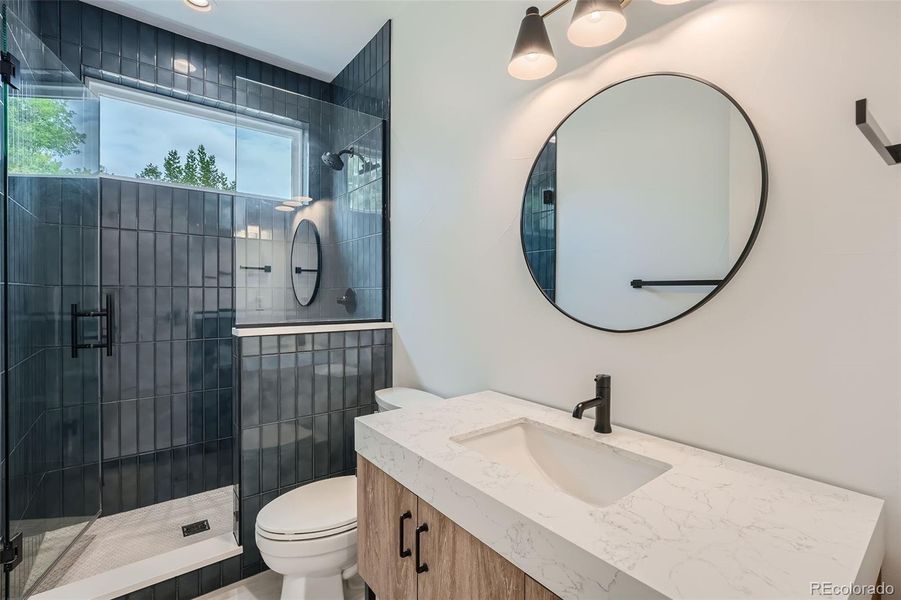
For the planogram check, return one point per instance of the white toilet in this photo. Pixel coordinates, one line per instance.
(401, 397)
(309, 535)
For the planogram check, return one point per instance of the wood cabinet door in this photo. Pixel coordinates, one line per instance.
(536, 591)
(386, 520)
(460, 566)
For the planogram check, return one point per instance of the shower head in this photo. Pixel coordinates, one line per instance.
(333, 160)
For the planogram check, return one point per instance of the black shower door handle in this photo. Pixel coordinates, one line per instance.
(105, 313)
(404, 552)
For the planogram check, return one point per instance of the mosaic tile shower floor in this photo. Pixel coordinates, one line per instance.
(134, 535)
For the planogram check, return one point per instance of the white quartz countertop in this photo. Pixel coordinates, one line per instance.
(710, 527)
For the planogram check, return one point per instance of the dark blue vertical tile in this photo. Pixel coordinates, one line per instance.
(210, 415)
(250, 462)
(180, 472)
(128, 478)
(163, 425)
(111, 494)
(180, 211)
(146, 206)
(179, 380)
(195, 365)
(128, 258)
(146, 360)
(269, 399)
(336, 442)
(287, 450)
(195, 260)
(146, 422)
(320, 382)
(287, 386)
(250, 391)
(195, 468)
(128, 427)
(163, 208)
(304, 383)
(146, 479)
(180, 260)
(163, 259)
(110, 438)
(210, 465)
(163, 316)
(336, 379)
(210, 364)
(226, 414)
(269, 456)
(210, 261)
(320, 445)
(163, 470)
(195, 417)
(179, 420)
(128, 205)
(195, 212)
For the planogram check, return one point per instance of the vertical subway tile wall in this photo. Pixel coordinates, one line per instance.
(299, 397)
(166, 259)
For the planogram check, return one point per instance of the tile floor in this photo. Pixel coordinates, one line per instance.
(127, 537)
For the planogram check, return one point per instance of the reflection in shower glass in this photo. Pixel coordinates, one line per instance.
(345, 204)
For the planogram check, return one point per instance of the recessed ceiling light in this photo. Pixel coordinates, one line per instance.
(298, 201)
(283, 208)
(202, 5)
(183, 65)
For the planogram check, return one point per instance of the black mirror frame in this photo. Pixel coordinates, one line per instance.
(758, 222)
(318, 260)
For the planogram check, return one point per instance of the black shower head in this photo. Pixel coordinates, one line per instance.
(333, 161)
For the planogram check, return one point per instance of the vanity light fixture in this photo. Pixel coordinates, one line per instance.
(284, 208)
(201, 5)
(183, 65)
(594, 23)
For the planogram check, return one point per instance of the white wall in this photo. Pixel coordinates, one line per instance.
(794, 364)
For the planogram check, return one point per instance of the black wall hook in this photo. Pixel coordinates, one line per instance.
(890, 153)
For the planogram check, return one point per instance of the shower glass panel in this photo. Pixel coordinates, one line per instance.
(51, 391)
(300, 158)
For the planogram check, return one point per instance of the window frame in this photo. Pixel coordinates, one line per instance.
(299, 134)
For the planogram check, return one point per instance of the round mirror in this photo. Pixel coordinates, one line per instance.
(644, 202)
(306, 260)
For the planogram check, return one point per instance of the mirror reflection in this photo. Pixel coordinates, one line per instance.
(306, 258)
(643, 202)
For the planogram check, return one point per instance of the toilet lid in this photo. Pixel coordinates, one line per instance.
(318, 507)
(401, 397)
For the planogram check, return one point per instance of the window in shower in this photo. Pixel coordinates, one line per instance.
(152, 137)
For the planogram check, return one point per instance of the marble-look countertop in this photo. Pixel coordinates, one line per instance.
(710, 527)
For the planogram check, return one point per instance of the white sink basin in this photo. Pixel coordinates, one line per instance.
(583, 468)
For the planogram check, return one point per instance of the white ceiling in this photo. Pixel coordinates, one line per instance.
(319, 37)
(314, 37)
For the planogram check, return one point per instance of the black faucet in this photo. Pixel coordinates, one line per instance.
(601, 402)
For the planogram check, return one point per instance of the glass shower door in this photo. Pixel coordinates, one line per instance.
(55, 323)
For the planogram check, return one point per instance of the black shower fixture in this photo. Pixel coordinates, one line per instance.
(334, 161)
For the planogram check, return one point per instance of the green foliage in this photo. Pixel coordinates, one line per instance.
(43, 132)
(199, 169)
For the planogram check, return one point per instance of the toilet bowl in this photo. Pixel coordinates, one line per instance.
(401, 397)
(309, 536)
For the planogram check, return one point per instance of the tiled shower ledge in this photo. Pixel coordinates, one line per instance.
(312, 328)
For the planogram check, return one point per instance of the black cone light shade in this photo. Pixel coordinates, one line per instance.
(533, 56)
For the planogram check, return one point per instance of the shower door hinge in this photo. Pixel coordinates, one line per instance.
(11, 555)
(9, 69)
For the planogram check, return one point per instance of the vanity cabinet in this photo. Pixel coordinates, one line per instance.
(409, 550)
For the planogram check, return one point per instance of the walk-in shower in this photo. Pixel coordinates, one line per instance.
(123, 280)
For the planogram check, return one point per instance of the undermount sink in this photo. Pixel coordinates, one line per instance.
(583, 468)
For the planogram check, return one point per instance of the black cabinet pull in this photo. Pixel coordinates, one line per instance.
(404, 552)
(421, 567)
